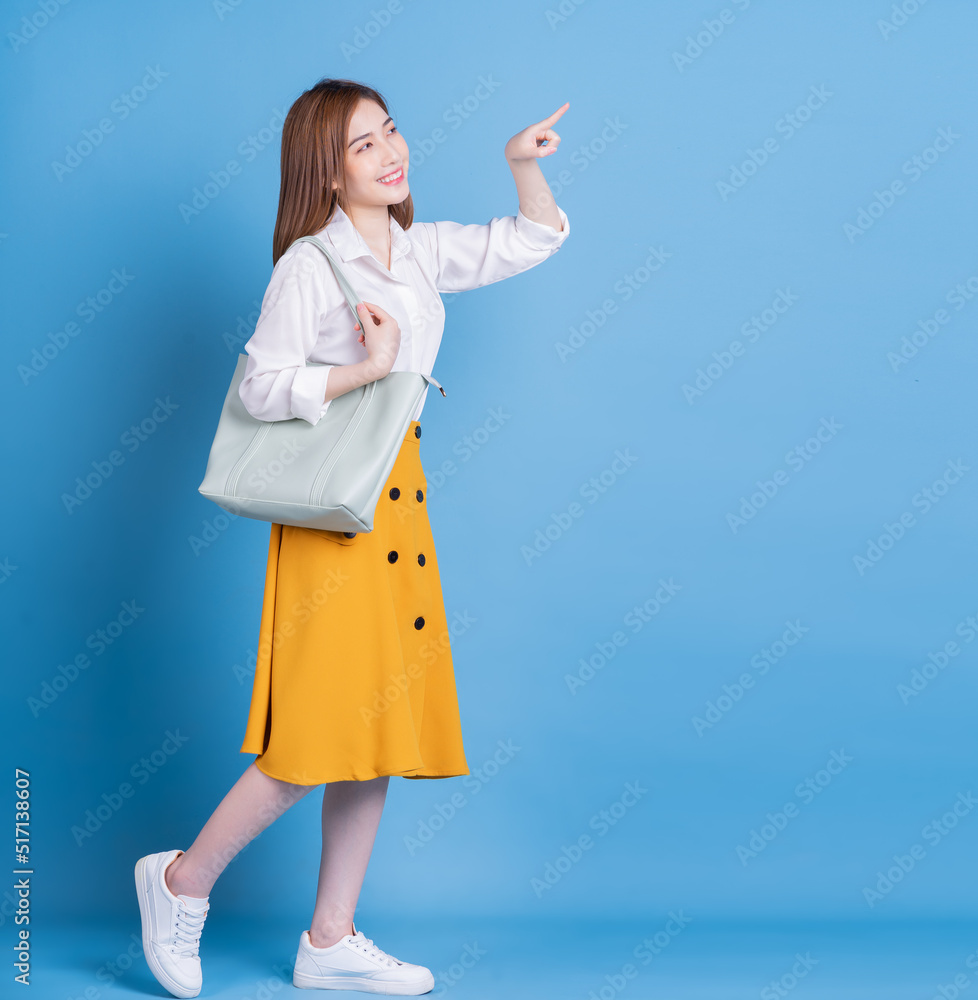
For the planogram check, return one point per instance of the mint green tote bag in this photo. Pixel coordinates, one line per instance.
(328, 475)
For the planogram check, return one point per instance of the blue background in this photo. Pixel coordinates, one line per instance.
(647, 142)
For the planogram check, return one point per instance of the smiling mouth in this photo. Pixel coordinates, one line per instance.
(392, 178)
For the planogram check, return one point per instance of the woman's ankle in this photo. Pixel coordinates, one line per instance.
(179, 884)
(327, 937)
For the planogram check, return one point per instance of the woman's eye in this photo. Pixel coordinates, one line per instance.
(393, 128)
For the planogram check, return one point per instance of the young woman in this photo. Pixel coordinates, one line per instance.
(354, 679)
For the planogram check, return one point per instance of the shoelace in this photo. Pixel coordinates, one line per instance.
(366, 945)
(186, 936)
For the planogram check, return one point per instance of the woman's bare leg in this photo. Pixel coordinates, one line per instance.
(254, 802)
(351, 815)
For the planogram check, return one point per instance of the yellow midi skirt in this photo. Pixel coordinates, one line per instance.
(354, 676)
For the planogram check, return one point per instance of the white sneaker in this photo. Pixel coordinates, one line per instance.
(171, 926)
(356, 963)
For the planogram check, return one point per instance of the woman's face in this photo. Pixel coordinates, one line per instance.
(375, 150)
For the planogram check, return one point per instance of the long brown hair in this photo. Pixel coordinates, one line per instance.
(314, 155)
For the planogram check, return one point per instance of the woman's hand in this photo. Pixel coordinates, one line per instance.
(380, 334)
(526, 145)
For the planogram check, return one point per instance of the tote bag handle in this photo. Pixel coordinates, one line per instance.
(351, 296)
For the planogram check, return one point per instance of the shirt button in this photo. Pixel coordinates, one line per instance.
(419, 622)
(392, 556)
(394, 493)
(417, 431)
(349, 534)
(420, 496)
(421, 559)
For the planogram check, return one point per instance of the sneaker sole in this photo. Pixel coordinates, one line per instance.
(162, 976)
(305, 981)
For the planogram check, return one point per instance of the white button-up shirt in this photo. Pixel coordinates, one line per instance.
(305, 315)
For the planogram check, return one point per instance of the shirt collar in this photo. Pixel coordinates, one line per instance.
(346, 238)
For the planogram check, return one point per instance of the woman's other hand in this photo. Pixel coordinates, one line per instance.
(380, 334)
(527, 145)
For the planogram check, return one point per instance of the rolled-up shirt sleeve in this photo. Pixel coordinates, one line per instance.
(470, 256)
(278, 384)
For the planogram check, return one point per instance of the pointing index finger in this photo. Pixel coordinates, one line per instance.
(549, 121)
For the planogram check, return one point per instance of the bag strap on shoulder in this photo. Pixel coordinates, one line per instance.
(351, 296)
